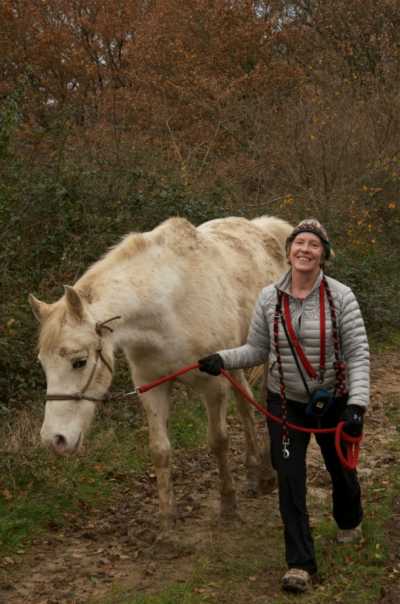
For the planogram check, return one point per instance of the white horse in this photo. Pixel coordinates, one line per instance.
(166, 298)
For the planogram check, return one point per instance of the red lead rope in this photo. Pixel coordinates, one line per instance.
(322, 329)
(348, 460)
(288, 319)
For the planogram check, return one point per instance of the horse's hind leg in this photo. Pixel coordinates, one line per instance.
(216, 404)
(260, 473)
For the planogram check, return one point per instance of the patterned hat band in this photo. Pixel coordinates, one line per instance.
(313, 226)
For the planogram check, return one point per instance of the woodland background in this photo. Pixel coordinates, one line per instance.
(117, 114)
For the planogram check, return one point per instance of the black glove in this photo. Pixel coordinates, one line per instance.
(211, 364)
(353, 416)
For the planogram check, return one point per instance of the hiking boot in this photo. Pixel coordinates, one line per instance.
(348, 536)
(296, 580)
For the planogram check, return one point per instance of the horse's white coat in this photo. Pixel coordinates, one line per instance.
(182, 293)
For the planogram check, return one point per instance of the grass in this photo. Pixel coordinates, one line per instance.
(39, 489)
(175, 594)
(188, 425)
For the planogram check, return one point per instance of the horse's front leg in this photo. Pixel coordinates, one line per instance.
(218, 441)
(157, 406)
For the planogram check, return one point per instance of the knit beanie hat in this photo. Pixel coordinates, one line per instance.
(311, 225)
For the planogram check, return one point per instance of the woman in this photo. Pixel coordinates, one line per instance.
(309, 328)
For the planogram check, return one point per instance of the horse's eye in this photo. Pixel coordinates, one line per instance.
(79, 363)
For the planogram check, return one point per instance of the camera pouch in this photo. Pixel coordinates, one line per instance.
(320, 402)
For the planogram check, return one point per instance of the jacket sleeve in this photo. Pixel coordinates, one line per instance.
(355, 350)
(257, 347)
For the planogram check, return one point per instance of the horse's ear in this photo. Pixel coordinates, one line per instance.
(41, 310)
(74, 303)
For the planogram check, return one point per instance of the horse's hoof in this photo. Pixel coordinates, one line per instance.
(231, 518)
(252, 488)
(167, 523)
(251, 492)
(229, 506)
(229, 510)
(169, 546)
(267, 485)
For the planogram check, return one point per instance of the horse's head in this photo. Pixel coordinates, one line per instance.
(76, 355)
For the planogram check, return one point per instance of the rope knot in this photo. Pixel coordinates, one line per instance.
(103, 325)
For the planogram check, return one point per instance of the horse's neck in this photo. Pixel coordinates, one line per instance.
(116, 299)
(112, 292)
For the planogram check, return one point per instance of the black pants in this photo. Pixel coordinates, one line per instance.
(292, 474)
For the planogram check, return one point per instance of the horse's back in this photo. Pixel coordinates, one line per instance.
(253, 246)
(231, 257)
(234, 239)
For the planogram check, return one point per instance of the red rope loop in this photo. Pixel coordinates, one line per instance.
(350, 459)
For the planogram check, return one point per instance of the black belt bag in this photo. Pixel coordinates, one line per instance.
(319, 403)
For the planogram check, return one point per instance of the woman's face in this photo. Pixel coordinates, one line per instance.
(306, 253)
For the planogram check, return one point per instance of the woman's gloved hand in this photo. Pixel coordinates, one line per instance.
(211, 364)
(353, 416)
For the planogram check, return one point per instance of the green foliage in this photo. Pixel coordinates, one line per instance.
(10, 117)
(374, 277)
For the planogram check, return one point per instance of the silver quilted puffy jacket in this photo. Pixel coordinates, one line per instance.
(259, 347)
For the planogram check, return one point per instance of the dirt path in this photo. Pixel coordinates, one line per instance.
(98, 549)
